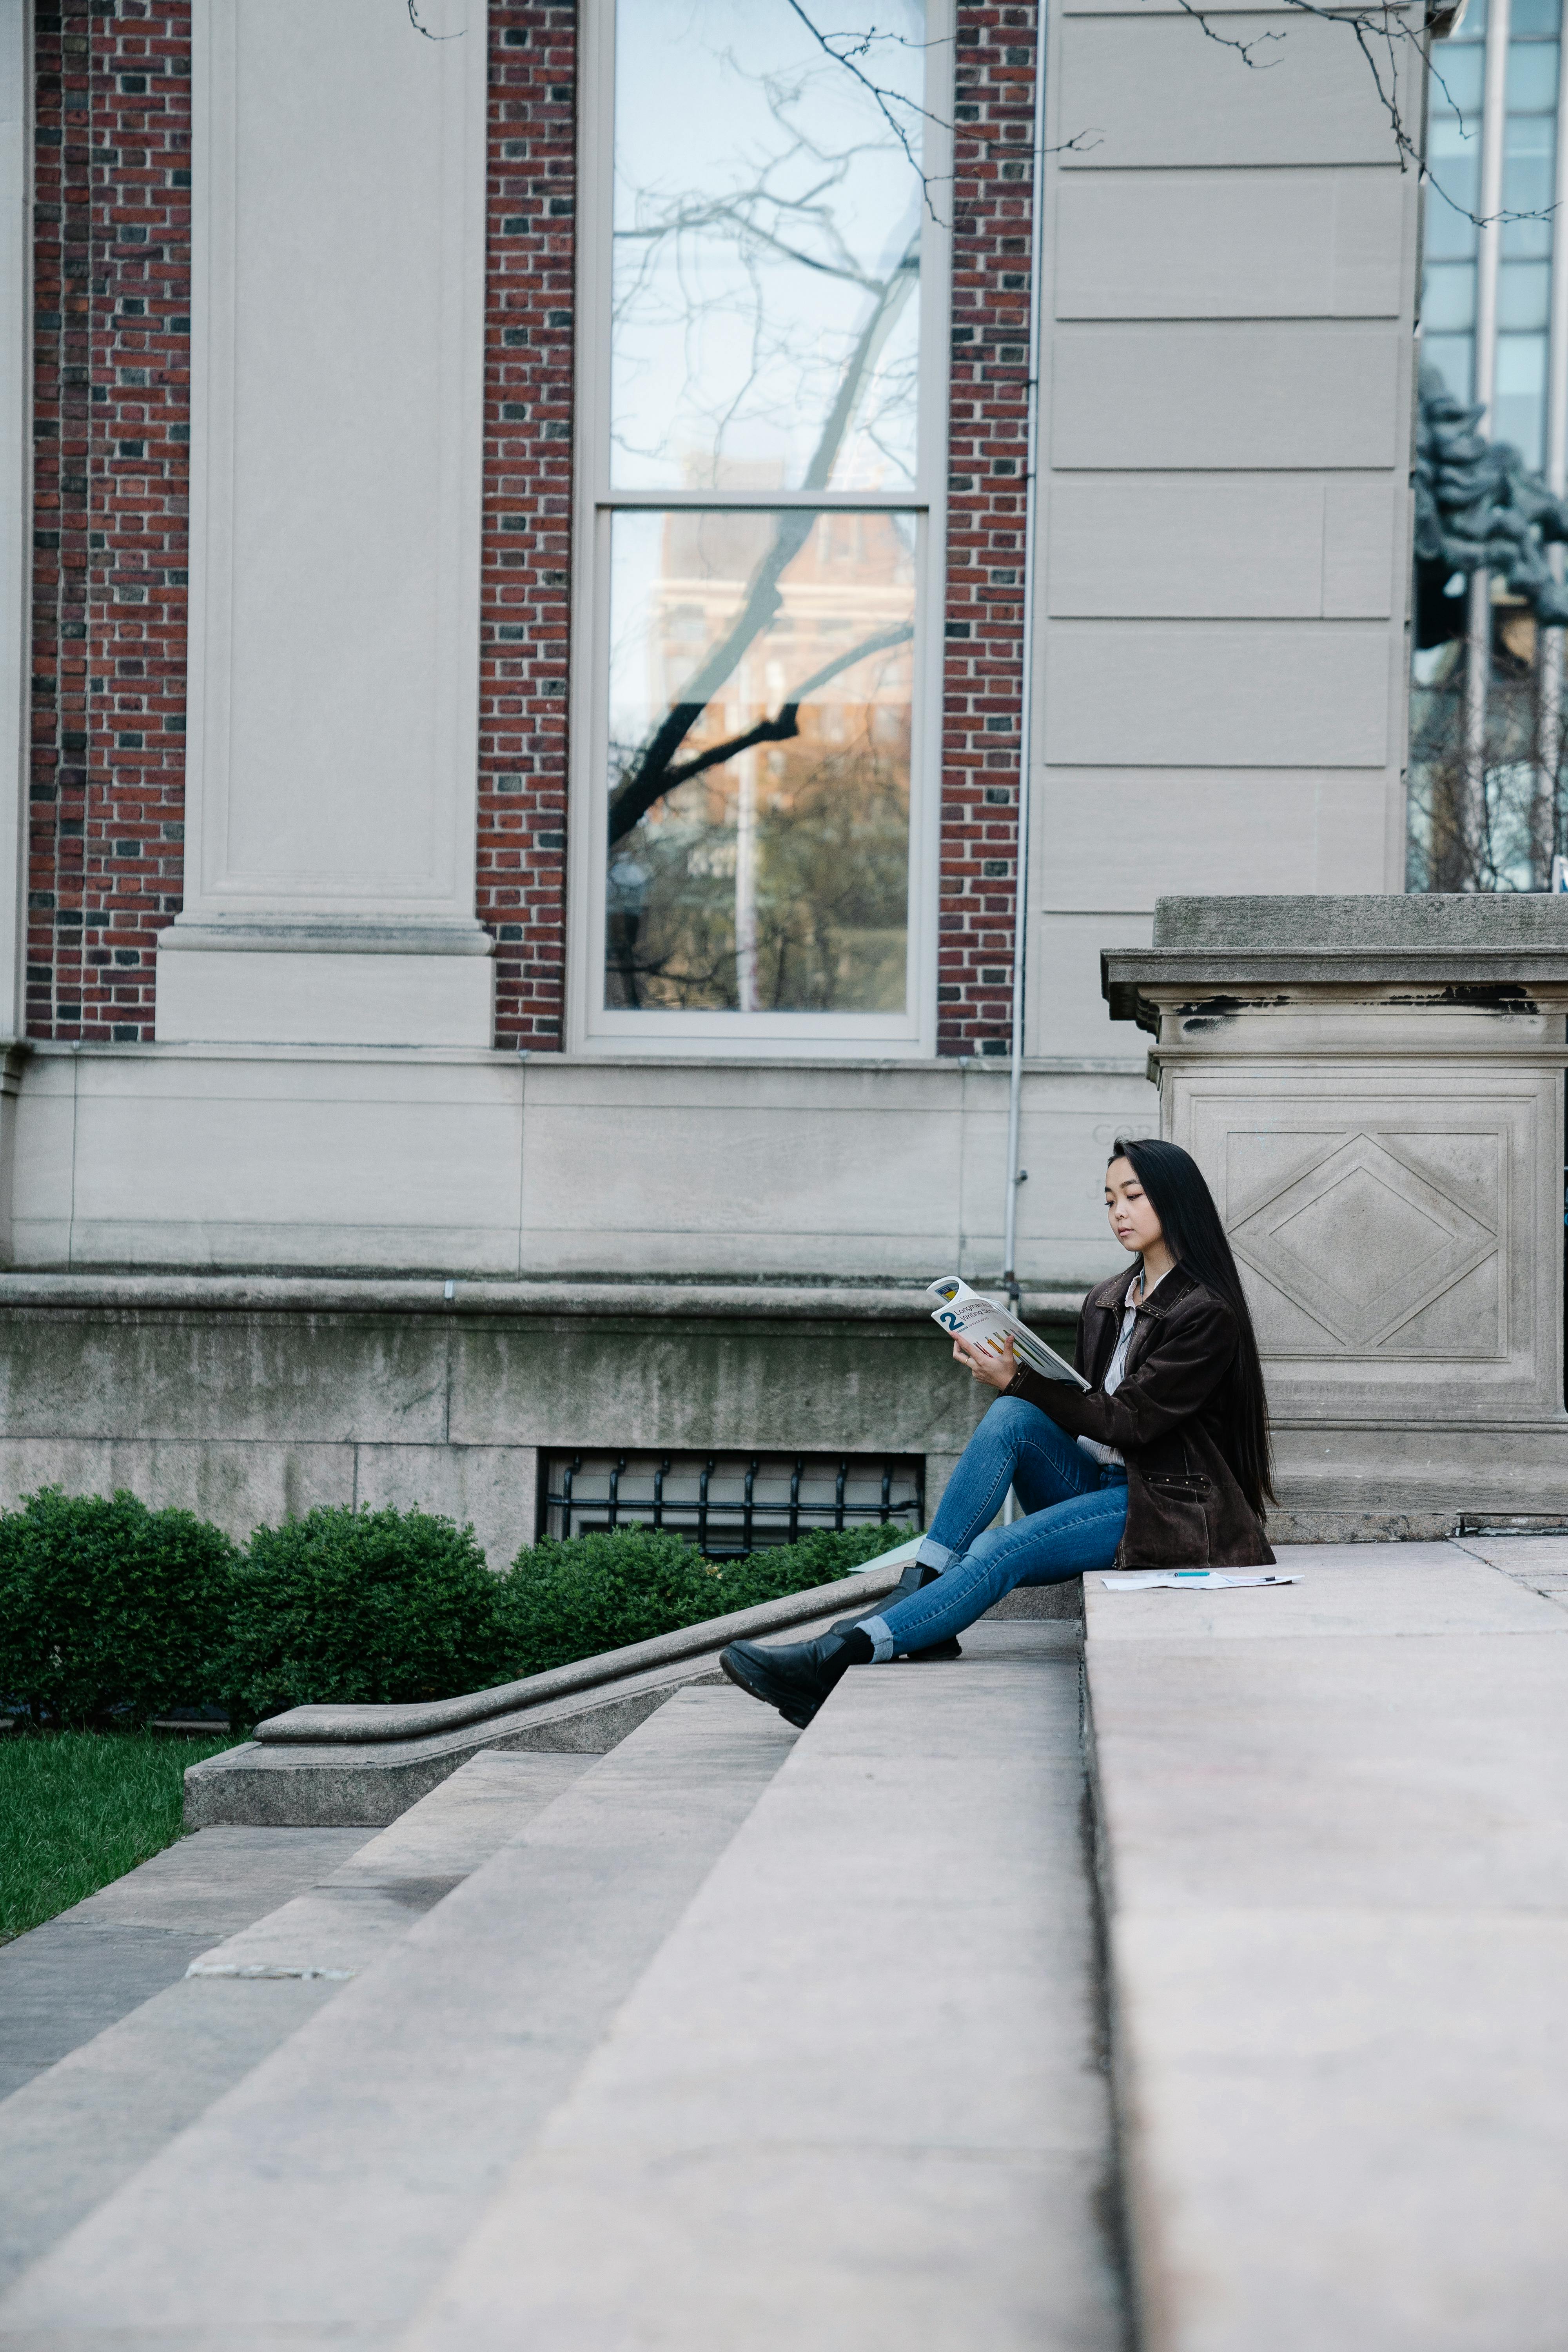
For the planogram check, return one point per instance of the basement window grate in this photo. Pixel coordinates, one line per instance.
(731, 1504)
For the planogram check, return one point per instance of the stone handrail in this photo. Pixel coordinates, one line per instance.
(328, 1726)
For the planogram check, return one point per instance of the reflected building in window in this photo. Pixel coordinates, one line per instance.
(1487, 789)
(771, 873)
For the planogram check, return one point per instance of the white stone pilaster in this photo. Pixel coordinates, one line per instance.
(337, 416)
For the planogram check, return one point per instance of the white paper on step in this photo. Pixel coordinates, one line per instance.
(1184, 1579)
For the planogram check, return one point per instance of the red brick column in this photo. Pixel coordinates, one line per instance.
(112, 467)
(983, 677)
(525, 609)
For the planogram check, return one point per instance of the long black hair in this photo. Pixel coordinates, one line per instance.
(1196, 1238)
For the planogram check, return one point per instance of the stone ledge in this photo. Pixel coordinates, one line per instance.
(302, 1295)
(1466, 920)
(1212, 980)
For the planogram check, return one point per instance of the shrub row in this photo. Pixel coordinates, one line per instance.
(111, 1613)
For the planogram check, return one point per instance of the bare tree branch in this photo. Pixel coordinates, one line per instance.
(1380, 25)
(633, 802)
(649, 778)
(429, 36)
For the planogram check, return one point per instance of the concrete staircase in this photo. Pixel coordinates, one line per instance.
(725, 2038)
(730, 2039)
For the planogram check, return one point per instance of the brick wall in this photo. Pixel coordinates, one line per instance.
(983, 676)
(525, 607)
(112, 407)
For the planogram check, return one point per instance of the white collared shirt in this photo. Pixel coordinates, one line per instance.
(1116, 1370)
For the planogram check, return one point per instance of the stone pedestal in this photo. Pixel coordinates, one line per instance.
(1374, 1089)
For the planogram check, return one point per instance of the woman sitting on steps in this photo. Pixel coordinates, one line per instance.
(1163, 1462)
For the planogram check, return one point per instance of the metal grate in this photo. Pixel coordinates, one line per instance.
(729, 1504)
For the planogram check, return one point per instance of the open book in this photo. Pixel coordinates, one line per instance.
(984, 1323)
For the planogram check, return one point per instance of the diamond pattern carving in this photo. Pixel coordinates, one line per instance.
(1362, 1242)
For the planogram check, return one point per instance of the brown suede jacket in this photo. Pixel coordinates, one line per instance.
(1184, 1508)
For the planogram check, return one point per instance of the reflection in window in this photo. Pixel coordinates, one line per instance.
(1524, 266)
(1486, 787)
(763, 490)
(767, 235)
(759, 763)
(1454, 155)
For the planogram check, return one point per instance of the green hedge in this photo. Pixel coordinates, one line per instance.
(109, 1610)
(112, 1613)
(359, 1607)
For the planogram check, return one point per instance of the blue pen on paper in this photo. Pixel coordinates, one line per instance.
(1186, 1580)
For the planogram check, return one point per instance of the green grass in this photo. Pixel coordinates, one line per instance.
(80, 1807)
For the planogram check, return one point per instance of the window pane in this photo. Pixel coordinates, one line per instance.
(1519, 407)
(1531, 77)
(1523, 295)
(1458, 75)
(1454, 357)
(1534, 16)
(1528, 172)
(1450, 236)
(1454, 197)
(1448, 297)
(771, 654)
(767, 238)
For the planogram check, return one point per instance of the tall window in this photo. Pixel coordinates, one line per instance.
(1487, 775)
(759, 439)
(1454, 153)
(1524, 265)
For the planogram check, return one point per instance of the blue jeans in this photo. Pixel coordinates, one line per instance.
(1076, 1509)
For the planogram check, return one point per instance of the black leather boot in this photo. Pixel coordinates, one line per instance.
(915, 1578)
(795, 1677)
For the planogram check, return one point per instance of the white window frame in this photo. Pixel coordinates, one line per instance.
(591, 1026)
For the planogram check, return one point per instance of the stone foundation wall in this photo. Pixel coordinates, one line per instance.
(246, 1400)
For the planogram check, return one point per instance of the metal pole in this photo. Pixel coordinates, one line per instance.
(1549, 642)
(1478, 648)
(1026, 697)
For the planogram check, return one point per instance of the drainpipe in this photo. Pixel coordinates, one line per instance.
(1489, 239)
(1016, 1175)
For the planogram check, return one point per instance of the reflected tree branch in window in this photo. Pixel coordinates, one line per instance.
(883, 98)
(631, 803)
(650, 780)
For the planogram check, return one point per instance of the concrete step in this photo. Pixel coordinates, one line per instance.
(319, 2201)
(859, 2099)
(115, 2096)
(1335, 1827)
(66, 1981)
(339, 1928)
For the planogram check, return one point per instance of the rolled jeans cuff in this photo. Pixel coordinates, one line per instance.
(881, 1636)
(933, 1554)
